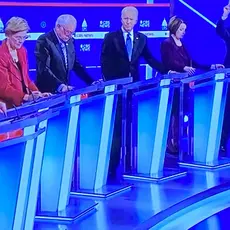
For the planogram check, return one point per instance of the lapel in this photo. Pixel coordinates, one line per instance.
(136, 41)
(121, 44)
(58, 46)
(14, 71)
(70, 54)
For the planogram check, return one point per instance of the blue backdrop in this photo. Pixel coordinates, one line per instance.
(93, 22)
(201, 38)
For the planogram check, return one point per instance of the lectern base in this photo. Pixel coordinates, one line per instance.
(166, 175)
(75, 210)
(222, 163)
(104, 192)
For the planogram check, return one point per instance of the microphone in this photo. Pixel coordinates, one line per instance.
(17, 113)
(30, 91)
(50, 72)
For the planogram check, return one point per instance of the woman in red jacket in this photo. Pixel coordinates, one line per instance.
(16, 86)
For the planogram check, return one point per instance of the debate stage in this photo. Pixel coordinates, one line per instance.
(56, 176)
(175, 204)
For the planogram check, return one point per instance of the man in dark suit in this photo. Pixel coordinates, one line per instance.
(120, 56)
(122, 50)
(224, 32)
(56, 57)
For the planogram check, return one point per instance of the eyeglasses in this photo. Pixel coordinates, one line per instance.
(20, 38)
(67, 32)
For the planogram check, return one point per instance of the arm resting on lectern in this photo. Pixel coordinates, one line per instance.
(44, 73)
(153, 62)
(81, 71)
(7, 91)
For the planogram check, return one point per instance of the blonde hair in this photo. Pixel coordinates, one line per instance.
(174, 24)
(15, 25)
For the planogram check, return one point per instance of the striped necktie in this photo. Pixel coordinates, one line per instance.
(64, 51)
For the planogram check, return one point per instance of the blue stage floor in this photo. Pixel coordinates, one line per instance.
(219, 221)
(149, 204)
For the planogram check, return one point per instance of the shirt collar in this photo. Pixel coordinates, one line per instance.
(125, 32)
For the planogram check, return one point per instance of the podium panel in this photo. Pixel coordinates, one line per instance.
(19, 160)
(201, 134)
(97, 116)
(146, 131)
(54, 203)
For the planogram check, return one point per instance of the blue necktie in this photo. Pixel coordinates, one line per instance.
(129, 46)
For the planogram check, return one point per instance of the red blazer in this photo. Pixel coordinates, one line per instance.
(11, 91)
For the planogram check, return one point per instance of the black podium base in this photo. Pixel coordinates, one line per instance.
(166, 175)
(221, 163)
(105, 192)
(74, 211)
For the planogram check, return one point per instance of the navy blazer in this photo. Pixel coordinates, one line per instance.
(114, 56)
(50, 63)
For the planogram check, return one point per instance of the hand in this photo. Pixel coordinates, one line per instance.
(46, 94)
(33, 96)
(217, 66)
(226, 11)
(172, 71)
(189, 70)
(3, 108)
(66, 88)
(98, 81)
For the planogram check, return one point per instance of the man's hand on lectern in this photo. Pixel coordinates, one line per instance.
(66, 88)
(98, 81)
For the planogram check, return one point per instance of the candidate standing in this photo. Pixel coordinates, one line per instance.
(120, 58)
(56, 57)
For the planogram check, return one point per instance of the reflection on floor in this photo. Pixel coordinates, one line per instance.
(220, 221)
(130, 209)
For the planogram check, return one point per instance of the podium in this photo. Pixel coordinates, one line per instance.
(201, 123)
(97, 116)
(54, 203)
(34, 106)
(145, 129)
(20, 160)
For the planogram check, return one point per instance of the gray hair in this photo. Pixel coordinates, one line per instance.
(66, 19)
(130, 8)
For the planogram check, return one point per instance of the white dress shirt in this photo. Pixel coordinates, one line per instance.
(125, 34)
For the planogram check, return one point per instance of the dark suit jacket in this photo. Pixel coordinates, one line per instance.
(224, 33)
(50, 63)
(11, 87)
(114, 56)
(176, 58)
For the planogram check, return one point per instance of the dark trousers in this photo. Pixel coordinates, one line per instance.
(115, 154)
(173, 135)
(226, 123)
